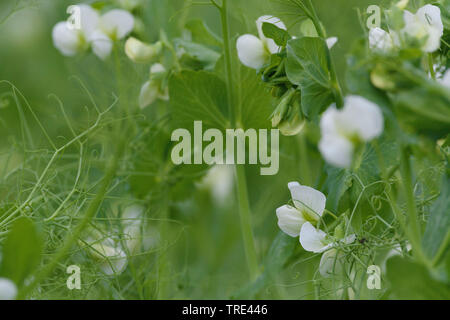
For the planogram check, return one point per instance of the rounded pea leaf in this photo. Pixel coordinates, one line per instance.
(21, 251)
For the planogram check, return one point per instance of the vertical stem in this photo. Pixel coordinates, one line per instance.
(241, 183)
(228, 66)
(414, 230)
(431, 66)
(246, 226)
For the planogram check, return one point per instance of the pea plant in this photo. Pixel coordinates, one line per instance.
(94, 205)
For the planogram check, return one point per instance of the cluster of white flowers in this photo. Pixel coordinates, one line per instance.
(99, 33)
(301, 220)
(8, 290)
(343, 130)
(425, 26)
(254, 52)
(94, 31)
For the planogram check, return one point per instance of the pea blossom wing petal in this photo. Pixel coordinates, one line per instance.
(101, 44)
(66, 40)
(380, 40)
(431, 15)
(330, 263)
(117, 23)
(313, 239)
(306, 199)
(362, 117)
(290, 220)
(336, 150)
(89, 19)
(251, 51)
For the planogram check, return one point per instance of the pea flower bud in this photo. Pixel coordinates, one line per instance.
(141, 52)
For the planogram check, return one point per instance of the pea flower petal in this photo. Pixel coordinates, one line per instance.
(336, 150)
(312, 239)
(359, 121)
(8, 290)
(117, 23)
(101, 44)
(251, 51)
(308, 200)
(330, 263)
(67, 40)
(271, 45)
(380, 40)
(290, 220)
(425, 24)
(111, 258)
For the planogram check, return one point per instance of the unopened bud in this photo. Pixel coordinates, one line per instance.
(141, 52)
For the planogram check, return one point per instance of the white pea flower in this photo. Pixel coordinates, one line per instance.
(219, 181)
(342, 130)
(132, 226)
(254, 52)
(94, 30)
(380, 40)
(330, 263)
(8, 290)
(309, 205)
(317, 241)
(151, 90)
(70, 39)
(110, 257)
(141, 52)
(426, 25)
(112, 26)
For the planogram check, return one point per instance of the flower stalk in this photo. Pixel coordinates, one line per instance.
(241, 183)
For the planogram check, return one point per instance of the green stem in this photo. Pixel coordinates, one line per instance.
(431, 66)
(246, 226)
(413, 226)
(241, 183)
(228, 65)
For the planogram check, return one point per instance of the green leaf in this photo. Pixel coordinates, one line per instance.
(281, 250)
(255, 101)
(202, 34)
(205, 57)
(271, 31)
(21, 252)
(307, 67)
(412, 281)
(198, 96)
(425, 110)
(335, 186)
(437, 232)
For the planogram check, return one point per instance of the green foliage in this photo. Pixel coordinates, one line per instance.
(412, 281)
(307, 66)
(198, 96)
(21, 251)
(271, 31)
(437, 233)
